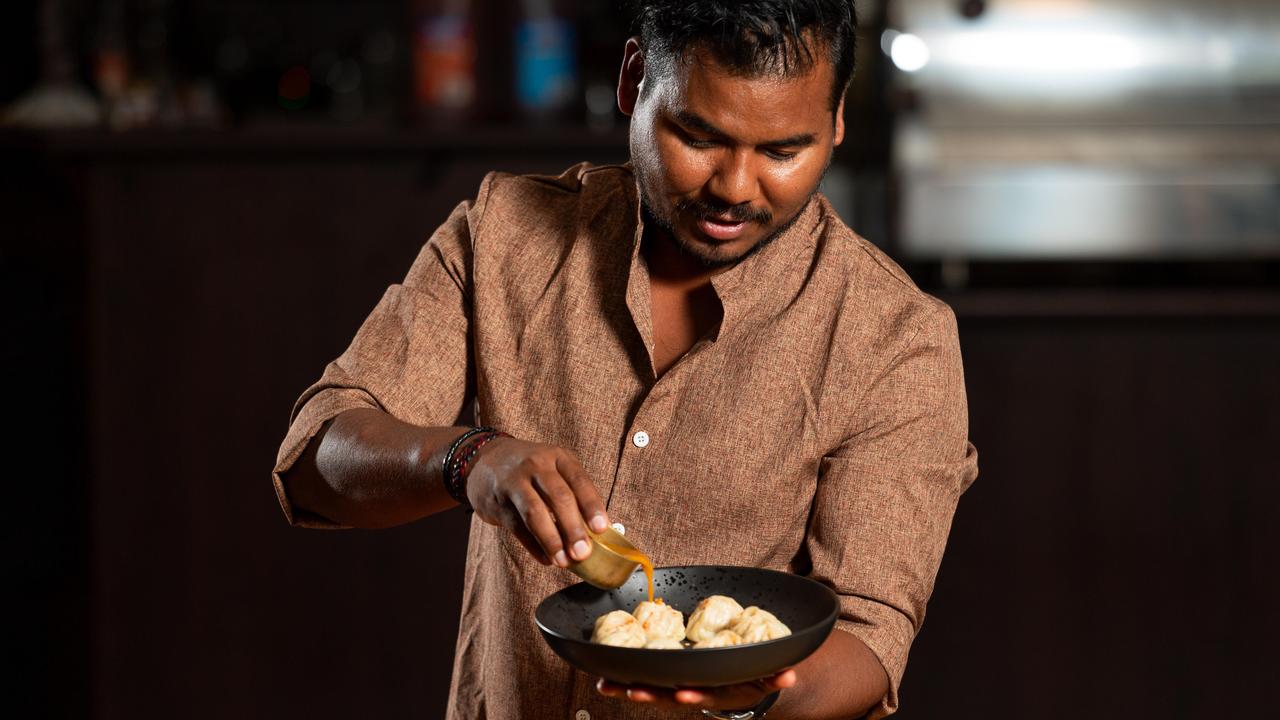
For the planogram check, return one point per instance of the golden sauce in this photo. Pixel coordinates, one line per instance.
(634, 556)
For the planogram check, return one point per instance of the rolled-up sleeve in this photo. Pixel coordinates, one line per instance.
(410, 358)
(886, 496)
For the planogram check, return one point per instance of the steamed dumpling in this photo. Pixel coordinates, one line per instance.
(664, 644)
(724, 638)
(660, 621)
(755, 625)
(712, 615)
(718, 621)
(620, 629)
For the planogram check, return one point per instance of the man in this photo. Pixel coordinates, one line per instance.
(693, 345)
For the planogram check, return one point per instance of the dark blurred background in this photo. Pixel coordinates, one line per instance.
(200, 200)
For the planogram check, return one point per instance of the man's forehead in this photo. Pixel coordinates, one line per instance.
(777, 68)
(763, 104)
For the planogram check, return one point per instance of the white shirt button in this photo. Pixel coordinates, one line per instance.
(582, 715)
(618, 528)
(640, 439)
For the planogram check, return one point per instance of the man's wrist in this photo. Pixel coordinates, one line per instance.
(749, 713)
(459, 458)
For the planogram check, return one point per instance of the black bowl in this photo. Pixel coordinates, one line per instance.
(809, 608)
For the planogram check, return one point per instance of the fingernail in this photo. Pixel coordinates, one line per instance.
(561, 560)
(581, 549)
(599, 522)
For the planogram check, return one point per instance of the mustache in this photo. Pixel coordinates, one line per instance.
(704, 210)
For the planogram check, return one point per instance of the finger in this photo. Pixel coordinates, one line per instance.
(645, 694)
(589, 501)
(640, 693)
(511, 519)
(782, 681)
(535, 516)
(690, 697)
(729, 696)
(557, 494)
(527, 540)
(608, 689)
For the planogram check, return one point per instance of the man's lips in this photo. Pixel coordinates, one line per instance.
(721, 229)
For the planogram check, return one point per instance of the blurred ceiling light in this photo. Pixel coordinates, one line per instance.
(886, 40)
(1040, 52)
(345, 76)
(909, 52)
(1220, 54)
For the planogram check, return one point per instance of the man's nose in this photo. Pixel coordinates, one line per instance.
(734, 182)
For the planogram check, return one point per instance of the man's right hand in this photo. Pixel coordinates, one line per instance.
(539, 492)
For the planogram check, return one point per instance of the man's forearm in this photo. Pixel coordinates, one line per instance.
(841, 681)
(367, 469)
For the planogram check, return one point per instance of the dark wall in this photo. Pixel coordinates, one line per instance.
(17, 48)
(219, 289)
(1113, 558)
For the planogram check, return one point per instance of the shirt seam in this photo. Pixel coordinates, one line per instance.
(906, 347)
(863, 243)
(483, 200)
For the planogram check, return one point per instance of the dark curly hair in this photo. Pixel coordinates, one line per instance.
(752, 37)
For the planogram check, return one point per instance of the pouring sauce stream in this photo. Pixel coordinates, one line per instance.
(634, 556)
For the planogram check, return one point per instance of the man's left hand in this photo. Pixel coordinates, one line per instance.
(729, 697)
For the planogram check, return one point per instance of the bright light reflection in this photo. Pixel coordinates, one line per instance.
(909, 53)
(1044, 52)
(886, 40)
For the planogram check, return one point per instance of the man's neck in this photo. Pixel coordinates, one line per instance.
(669, 265)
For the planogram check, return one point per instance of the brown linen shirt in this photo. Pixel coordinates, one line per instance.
(821, 428)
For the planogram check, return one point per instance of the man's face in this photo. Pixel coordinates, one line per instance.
(726, 162)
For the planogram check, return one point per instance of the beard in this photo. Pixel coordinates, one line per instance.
(702, 209)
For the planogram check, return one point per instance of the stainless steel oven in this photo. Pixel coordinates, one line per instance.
(1081, 130)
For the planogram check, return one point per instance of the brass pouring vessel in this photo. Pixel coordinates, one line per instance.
(604, 568)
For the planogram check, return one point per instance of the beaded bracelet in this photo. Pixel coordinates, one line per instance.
(463, 460)
(452, 483)
(457, 463)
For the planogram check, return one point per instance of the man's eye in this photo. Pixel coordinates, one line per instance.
(779, 154)
(696, 143)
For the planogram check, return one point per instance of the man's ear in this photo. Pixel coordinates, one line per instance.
(839, 136)
(631, 76)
